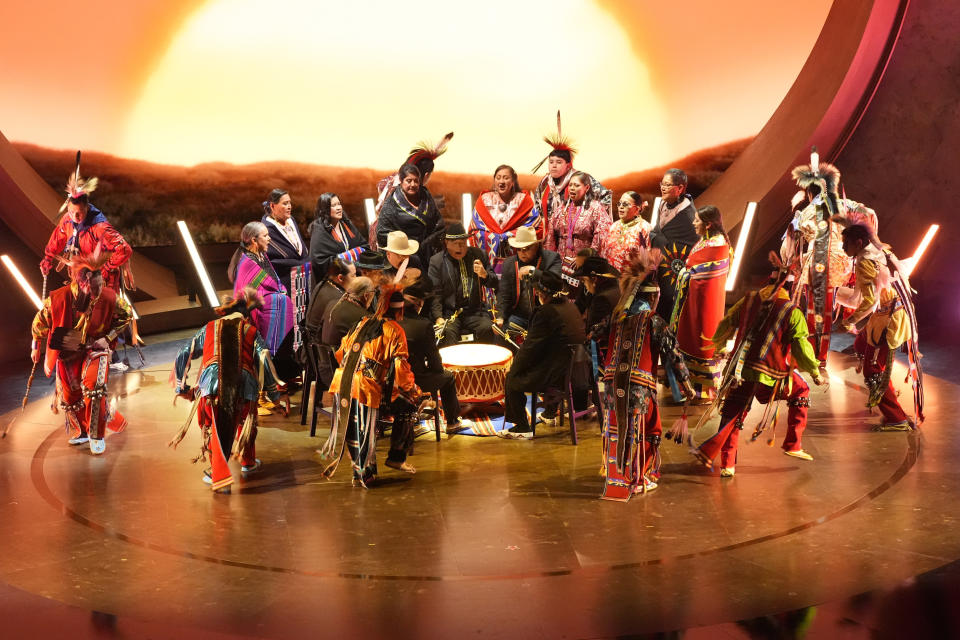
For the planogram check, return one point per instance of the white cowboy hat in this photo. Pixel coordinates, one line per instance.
(397, 242)
(524, 237)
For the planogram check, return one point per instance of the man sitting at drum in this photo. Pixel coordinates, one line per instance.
(544, 355)
(458, 275)
(516, 298)
(399, 248)
(424, 357)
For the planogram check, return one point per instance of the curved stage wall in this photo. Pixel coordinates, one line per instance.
(902, 158)
(822, 108)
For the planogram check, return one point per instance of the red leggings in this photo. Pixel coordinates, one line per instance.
(735, 408)
(874, 364)
(82, 387)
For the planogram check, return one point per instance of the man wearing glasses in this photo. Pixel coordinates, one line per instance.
(673, 234)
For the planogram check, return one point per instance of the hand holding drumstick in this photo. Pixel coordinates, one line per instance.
(479, 270)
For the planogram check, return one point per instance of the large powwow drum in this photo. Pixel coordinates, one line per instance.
(480, 370)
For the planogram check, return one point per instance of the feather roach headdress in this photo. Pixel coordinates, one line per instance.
(77, 187)
(822, 174)
(559, 142)
(429, 151)
(80, 261)
(390, 301)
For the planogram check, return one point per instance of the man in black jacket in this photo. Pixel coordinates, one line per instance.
(332, 286)
(424, 357)
(544, 356)
(516, 298)
(458, 275)
(673, 234)
(343, 314)
(600, 280)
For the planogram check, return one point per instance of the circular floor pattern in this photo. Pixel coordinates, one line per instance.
(484, 522)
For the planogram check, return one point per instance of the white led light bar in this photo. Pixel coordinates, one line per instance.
(741, 245)
(12, 268)
(198, 264)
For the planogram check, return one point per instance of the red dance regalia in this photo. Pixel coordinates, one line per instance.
(82, 375)
(94, 234)
(235, 367)
(771, 334)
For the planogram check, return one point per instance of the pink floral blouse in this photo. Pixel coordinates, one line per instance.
(575, 228)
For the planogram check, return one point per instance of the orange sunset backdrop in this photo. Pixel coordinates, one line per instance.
(354, 85)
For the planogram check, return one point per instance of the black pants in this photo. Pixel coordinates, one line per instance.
(285, 361)
(401, 434)
(479, 323)
(446, 385)
(515, 403)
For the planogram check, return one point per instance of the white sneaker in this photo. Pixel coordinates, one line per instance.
(79, 440)
(510, 434)
(256, 466)
(97, 446)
(119, 366)
(648, 486)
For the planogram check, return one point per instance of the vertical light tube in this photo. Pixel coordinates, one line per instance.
(12, 268)
(921, 248)
(656, 211)
(741, 245)
(370, 208)
(467, 212)
(198, 264)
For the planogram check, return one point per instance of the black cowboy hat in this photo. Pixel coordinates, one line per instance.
(372, 260)
(596, 267)
(550, 283)
(455, 231)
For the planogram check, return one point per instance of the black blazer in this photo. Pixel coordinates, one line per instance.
(340, 318)
(508, 298)
(543, 357)
(283, 256)
(444, 276)
(599, 312)
(322, 295)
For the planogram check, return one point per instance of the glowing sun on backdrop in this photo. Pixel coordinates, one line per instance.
(357, 83)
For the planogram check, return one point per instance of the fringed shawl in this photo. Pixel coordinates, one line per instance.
(275, 320)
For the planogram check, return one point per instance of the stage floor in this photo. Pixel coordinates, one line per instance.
(492, 538)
